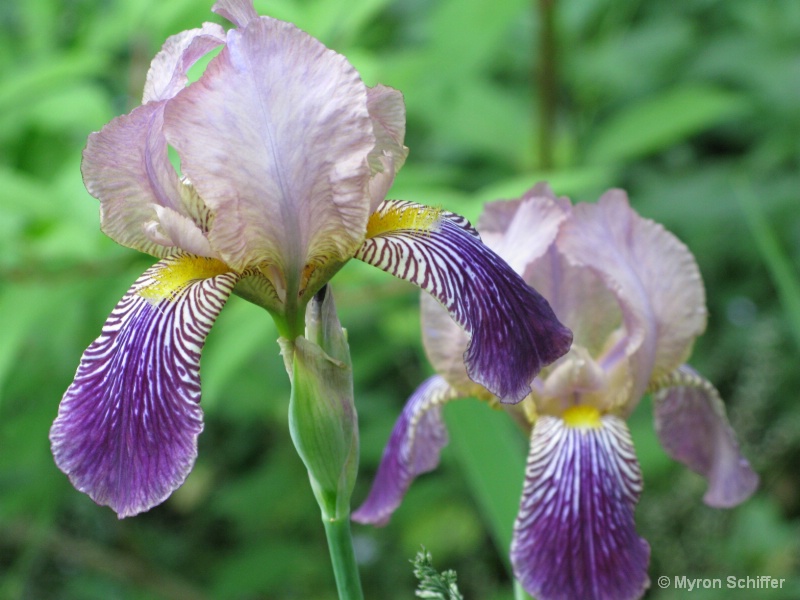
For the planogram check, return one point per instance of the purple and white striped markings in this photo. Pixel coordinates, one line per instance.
(575, 535)
(127, 427)
(514, 332)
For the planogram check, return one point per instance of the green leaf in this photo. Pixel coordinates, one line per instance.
(20, 88)
(657, 123)
(492, 452)
(783, 273)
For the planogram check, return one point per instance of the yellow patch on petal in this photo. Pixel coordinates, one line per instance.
(402, 216)
(582, 416)
(168, 281)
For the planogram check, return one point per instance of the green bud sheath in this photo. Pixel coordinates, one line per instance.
(322, 414)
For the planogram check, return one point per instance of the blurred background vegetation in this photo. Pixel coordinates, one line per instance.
(691, 105)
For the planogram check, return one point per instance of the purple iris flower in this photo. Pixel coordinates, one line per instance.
(285, 160)
(633, 296)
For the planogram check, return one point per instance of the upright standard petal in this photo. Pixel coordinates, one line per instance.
(575, 536)
(127, 427)
(126, 164)
(414, 447)
(514, 332)
(388, 113)
(654, 276)
(168, 69)
(692, 426)
(275, 137)
(238, 12)
(521, 231)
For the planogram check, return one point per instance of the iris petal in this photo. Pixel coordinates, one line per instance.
(692, 426)
(652, 273)
(127, 427)
(414, 447)
(275, 137)
(575, 535)
(126, 164)
(514, 332)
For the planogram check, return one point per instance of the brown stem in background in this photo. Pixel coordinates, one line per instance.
(546, 76)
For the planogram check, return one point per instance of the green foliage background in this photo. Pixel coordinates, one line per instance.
(692, 106)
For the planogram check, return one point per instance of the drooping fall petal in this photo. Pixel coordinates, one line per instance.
(127, 427)
(692, 426)
(519, 231)
(513, 330)
(575, 535)
(275, 137)
(414, 447)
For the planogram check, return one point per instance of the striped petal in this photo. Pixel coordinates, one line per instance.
(514, 332)
(692, 426)
(575, 535)
(414, 447)
(127, 427)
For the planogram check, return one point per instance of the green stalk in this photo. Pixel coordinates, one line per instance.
(519, 592)
(343, 558)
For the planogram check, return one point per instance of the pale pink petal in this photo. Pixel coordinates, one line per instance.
(388, 113)
(530, 226)
(654, 276)
(445, 344)
(167, 74)
(238, 12)
(692, 426)
(275, 137)
(183, 232)
(126, 167)
(579, 298)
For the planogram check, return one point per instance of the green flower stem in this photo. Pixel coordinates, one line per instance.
(519, 592)
(343, 558)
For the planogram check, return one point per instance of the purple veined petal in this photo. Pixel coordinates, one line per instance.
(127, 427)
(653, 275)
(275, 137)
(514, 332)
(693, 428)
(575, 535)
(414, 448)
(238, 12)
(167, 74)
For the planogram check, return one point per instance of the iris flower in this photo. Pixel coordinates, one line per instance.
(285, 159)
(633, 296)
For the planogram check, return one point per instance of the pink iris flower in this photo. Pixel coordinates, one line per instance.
(633, 296)
(285, 158)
